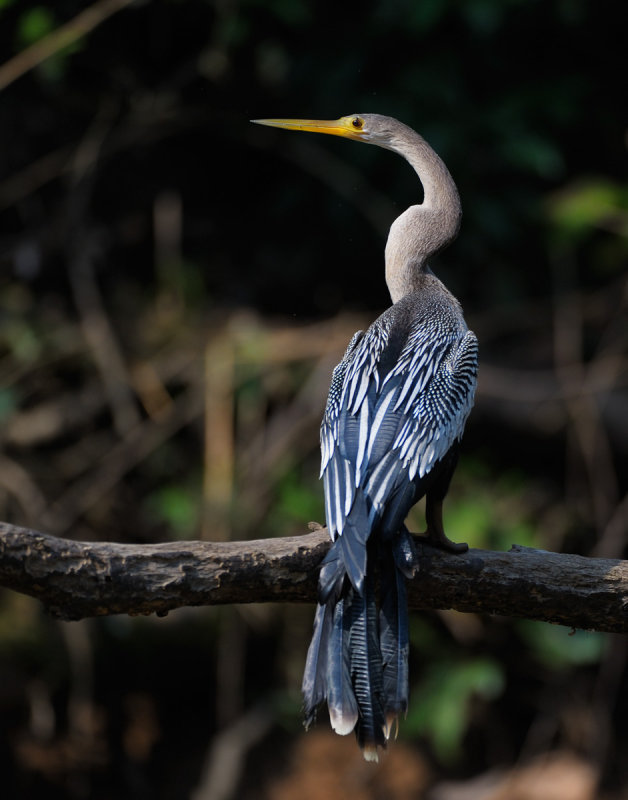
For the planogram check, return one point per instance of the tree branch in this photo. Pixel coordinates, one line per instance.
(57, 40)
(85, 579)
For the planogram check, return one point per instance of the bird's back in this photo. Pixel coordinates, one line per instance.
(399, 399)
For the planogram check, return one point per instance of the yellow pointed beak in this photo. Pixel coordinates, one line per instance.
(349, 127)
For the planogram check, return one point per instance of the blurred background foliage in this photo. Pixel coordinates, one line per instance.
(176, 286)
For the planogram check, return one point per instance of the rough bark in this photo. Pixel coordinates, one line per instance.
(84, 579)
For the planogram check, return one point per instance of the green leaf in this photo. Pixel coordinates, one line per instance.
(177, 506)
(298, 501)
(8, 403)
(34, 25)
(534, 154)
(559, 647)
(589, 204)
(441, 708)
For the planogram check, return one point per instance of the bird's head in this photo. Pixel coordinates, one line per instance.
(371, 128)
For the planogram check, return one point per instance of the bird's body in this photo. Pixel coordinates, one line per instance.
(396, 411)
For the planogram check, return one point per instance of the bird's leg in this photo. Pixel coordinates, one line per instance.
(435, 532)
(434, 497)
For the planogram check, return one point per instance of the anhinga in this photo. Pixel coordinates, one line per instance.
(396, 411)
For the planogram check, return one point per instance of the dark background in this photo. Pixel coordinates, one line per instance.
(176, 285)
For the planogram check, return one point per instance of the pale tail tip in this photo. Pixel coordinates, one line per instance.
(392, 725)
(370, 753)
(342, 724)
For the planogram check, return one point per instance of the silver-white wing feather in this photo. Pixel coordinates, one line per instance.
(395, 408)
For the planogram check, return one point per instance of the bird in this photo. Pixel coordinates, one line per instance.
(395, 414)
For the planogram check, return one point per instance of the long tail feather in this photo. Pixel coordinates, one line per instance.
(358, 657)
(341, 700)
(366, 671)
(394, 641)
(315, 674)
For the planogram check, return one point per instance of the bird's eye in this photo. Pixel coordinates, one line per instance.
(357, 123)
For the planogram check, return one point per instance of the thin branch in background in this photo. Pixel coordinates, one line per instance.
(226, 756)
(138, 443)
(613, 540)
(83, 249)
(231, 648)
(101, 338)
(167, 238)
(154, 124)
(587, 431)
(17, 481)
(272, 433)
(59, 39)
(80, 652)
(605, 699)
(219, 450)
(34, 175)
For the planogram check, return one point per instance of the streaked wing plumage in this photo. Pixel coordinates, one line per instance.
(399, 400)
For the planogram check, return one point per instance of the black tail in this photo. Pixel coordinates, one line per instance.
(367, 671)
(358, 657)
(394, 642)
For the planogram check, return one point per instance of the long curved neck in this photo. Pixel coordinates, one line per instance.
(421, 230)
